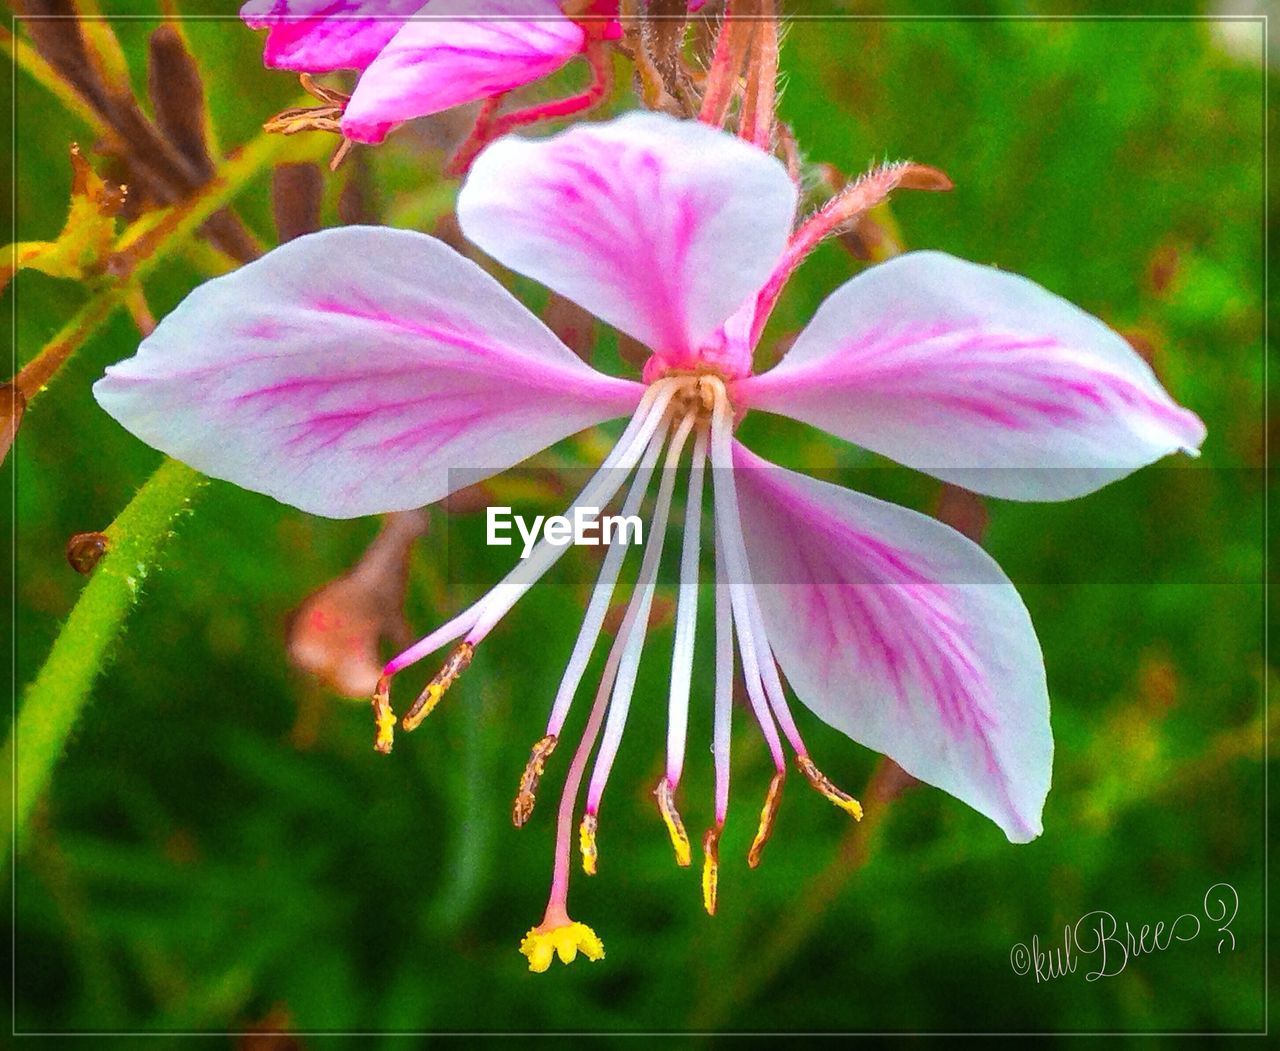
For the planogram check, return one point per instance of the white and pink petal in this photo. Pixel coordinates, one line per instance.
(979, 377)
(319, 36)
(659, 226)
(356, 371)
(903, 634)
(437, 62)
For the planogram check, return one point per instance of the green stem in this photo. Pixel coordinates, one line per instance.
(152, 239)
(54, 701)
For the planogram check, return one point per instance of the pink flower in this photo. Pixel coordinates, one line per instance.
(348, 372)
(418, 58)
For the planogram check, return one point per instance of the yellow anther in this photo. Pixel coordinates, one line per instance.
(436, 688)
(823, 784)
(587, 843)
(566, 941)
(523, 808)
(767, 814)
(711, 868)
(675, 826)
(384, 719)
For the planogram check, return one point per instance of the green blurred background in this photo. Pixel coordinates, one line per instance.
(221, 848)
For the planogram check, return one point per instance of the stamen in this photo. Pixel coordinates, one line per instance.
(602, 593)
(442, 636)
(723, 714)
(737, 572)
(767, 663)
(738, 578)
(664, 794)
(325, 117)
(711, 868)
(635, 623)
(823, 784)
(454, 666)
(326, 94)
(587, 843)
(767, 815)
(523, 808)
(384, 719)
(596, 493)
(686, 614)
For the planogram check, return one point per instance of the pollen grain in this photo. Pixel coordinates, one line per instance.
(522, 810)
(768, 813)
(454, 666)
(664, 793)
(823, 784)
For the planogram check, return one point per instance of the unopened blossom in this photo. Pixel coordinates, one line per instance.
(348, 372)
(337, 630)
(416, 59)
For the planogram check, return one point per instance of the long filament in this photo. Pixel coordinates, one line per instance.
(727, 521)
(597, 493)
(623, 456)
(723, 687)
(638, 616)
(686, 615)
(602, 594)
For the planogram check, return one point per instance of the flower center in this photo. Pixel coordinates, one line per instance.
(696, 392)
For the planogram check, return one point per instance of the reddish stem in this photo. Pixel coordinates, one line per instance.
(853, 201)
(488, 127)
(755, 124)
(726, 65)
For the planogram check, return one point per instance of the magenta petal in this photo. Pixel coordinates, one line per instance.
(903, 634)
(433, 65)
(979, 377)
(354, 371)
(661, 227)
(318, 36)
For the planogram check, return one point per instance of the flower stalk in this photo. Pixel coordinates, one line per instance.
(52, 703)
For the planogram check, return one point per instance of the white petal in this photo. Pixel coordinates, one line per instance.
(354, 371)
(979, 377)
(903, 634)
(660, 227)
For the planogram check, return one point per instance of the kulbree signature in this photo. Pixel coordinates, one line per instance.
(1097, 935)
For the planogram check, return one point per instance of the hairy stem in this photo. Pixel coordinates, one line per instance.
(724, 74)
(54, 701)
